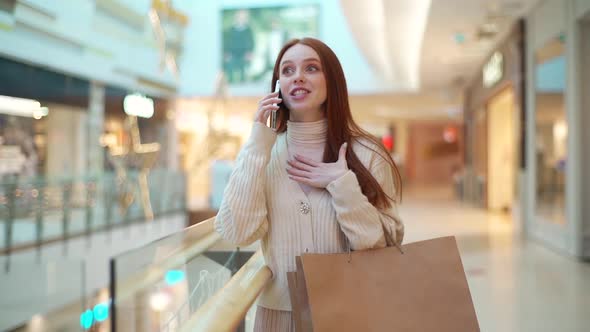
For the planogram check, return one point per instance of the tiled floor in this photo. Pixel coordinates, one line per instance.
(516, 284)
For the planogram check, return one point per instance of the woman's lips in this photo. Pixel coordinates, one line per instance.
(299, 93)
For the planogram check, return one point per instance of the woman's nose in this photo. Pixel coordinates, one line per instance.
(298, 78)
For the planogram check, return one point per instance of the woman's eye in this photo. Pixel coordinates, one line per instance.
(287, 70)
(312, 68)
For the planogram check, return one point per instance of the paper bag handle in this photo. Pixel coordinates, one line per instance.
(389, 242)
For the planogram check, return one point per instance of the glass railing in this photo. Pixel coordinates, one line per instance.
(37, 211)
(32, 290)
(161, 286)
(232, 307)
(190, 281)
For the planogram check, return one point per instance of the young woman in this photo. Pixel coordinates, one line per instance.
(317, 184)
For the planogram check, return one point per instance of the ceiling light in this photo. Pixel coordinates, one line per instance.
(40, 112)
(138, 105)
(560, 130)
(22, 107)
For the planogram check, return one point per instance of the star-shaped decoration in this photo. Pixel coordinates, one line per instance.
(168, 25)
(134, 154)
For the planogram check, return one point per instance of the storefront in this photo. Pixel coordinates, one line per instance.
(211, 132)
(493, 122)
(42, 121)
(154, 123)
(22, 145)
(56, 125)
(557, 207)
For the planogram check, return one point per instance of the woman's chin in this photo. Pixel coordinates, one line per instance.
(304, 114)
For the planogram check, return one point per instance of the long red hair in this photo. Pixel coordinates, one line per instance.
(341, 125)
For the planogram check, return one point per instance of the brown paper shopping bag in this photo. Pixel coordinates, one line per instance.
(424, 289)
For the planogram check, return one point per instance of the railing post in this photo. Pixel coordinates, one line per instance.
(67, 188)
(125, 201)
(107, 189)
(163, 179)
(39, 194)
(112, 291)
(11, 205)
(90, 193)
(183, 194)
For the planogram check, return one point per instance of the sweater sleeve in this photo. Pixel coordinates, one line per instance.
(362, 223)
(242, 217)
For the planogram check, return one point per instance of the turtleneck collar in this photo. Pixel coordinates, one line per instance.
(307, 132)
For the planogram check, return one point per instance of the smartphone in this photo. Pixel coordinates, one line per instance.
(273, 114)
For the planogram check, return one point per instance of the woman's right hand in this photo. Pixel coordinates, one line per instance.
(267, 105)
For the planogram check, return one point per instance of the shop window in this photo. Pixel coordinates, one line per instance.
(7, 6)
(551, 130)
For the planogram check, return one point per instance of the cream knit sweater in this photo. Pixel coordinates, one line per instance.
(261, 202)
(307, 139)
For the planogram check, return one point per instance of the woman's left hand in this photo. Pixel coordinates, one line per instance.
(317, 174)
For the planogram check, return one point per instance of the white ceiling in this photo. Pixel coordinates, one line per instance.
(389, 34)
(411, 43)
(445, 63)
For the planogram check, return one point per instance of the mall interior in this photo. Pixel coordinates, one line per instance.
(121, 121)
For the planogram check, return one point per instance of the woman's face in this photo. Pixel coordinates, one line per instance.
(303, 85)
